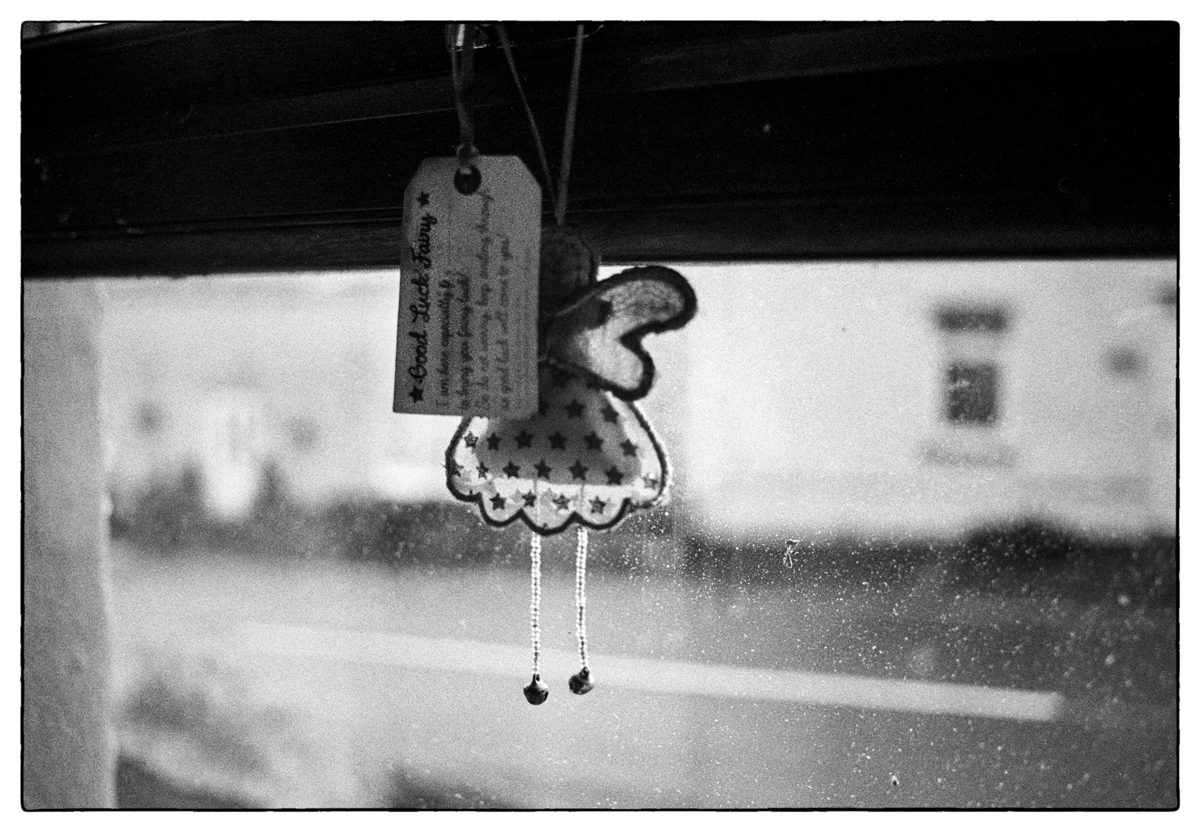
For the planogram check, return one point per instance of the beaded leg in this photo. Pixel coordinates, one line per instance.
(536, 691)
(581, 682)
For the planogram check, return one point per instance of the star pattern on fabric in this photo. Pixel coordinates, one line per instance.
(417, 394)
(555, 468)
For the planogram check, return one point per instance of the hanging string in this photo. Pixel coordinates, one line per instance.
(559, 201)
(537, 134)
(564, 169)
(581, 547)
(462, 77)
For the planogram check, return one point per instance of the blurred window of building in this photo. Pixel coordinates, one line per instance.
(971, 392)
(972, 340)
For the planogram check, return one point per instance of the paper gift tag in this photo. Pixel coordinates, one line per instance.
(466, 339)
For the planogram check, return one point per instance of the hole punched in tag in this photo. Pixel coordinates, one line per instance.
(460, 40)
(467, 181)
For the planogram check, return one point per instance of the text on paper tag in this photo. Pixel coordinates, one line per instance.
(466, 338)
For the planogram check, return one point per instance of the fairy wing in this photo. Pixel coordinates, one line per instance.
(599, 334)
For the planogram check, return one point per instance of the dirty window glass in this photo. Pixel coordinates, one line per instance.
(920, 552)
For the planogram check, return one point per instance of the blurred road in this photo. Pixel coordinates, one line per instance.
(709, 694)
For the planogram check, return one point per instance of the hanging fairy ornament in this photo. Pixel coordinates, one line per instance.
(586, 456)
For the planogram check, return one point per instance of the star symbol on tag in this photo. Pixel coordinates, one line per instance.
(493, 443)
(598, 505)
(629, 448)
(578, 470)
(609, 413)
(512, 469)
(530, 498)
(470, 440)
(423, 199)
(593, 441)
(558, 442)
(543, 470)
(574, 409)
(498, 502)
(417, 395)
(562, 502)
(614, 476)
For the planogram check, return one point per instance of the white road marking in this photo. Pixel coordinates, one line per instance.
(687, 678)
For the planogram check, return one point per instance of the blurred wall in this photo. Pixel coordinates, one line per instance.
(233, 374)
(68, 757)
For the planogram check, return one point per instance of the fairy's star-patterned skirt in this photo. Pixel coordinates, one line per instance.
(586, 456)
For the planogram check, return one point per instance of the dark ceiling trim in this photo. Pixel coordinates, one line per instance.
(906, 229)
(198, 148)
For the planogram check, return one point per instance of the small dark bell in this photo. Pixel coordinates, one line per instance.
(536, 691)
(581, 682)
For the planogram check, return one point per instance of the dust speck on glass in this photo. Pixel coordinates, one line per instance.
(921, 551)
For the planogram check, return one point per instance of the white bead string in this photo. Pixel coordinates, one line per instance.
(581, 547)
(535, 600)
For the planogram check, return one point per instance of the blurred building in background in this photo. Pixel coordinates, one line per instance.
(260, 383)
(924, 399)
(901, 399)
